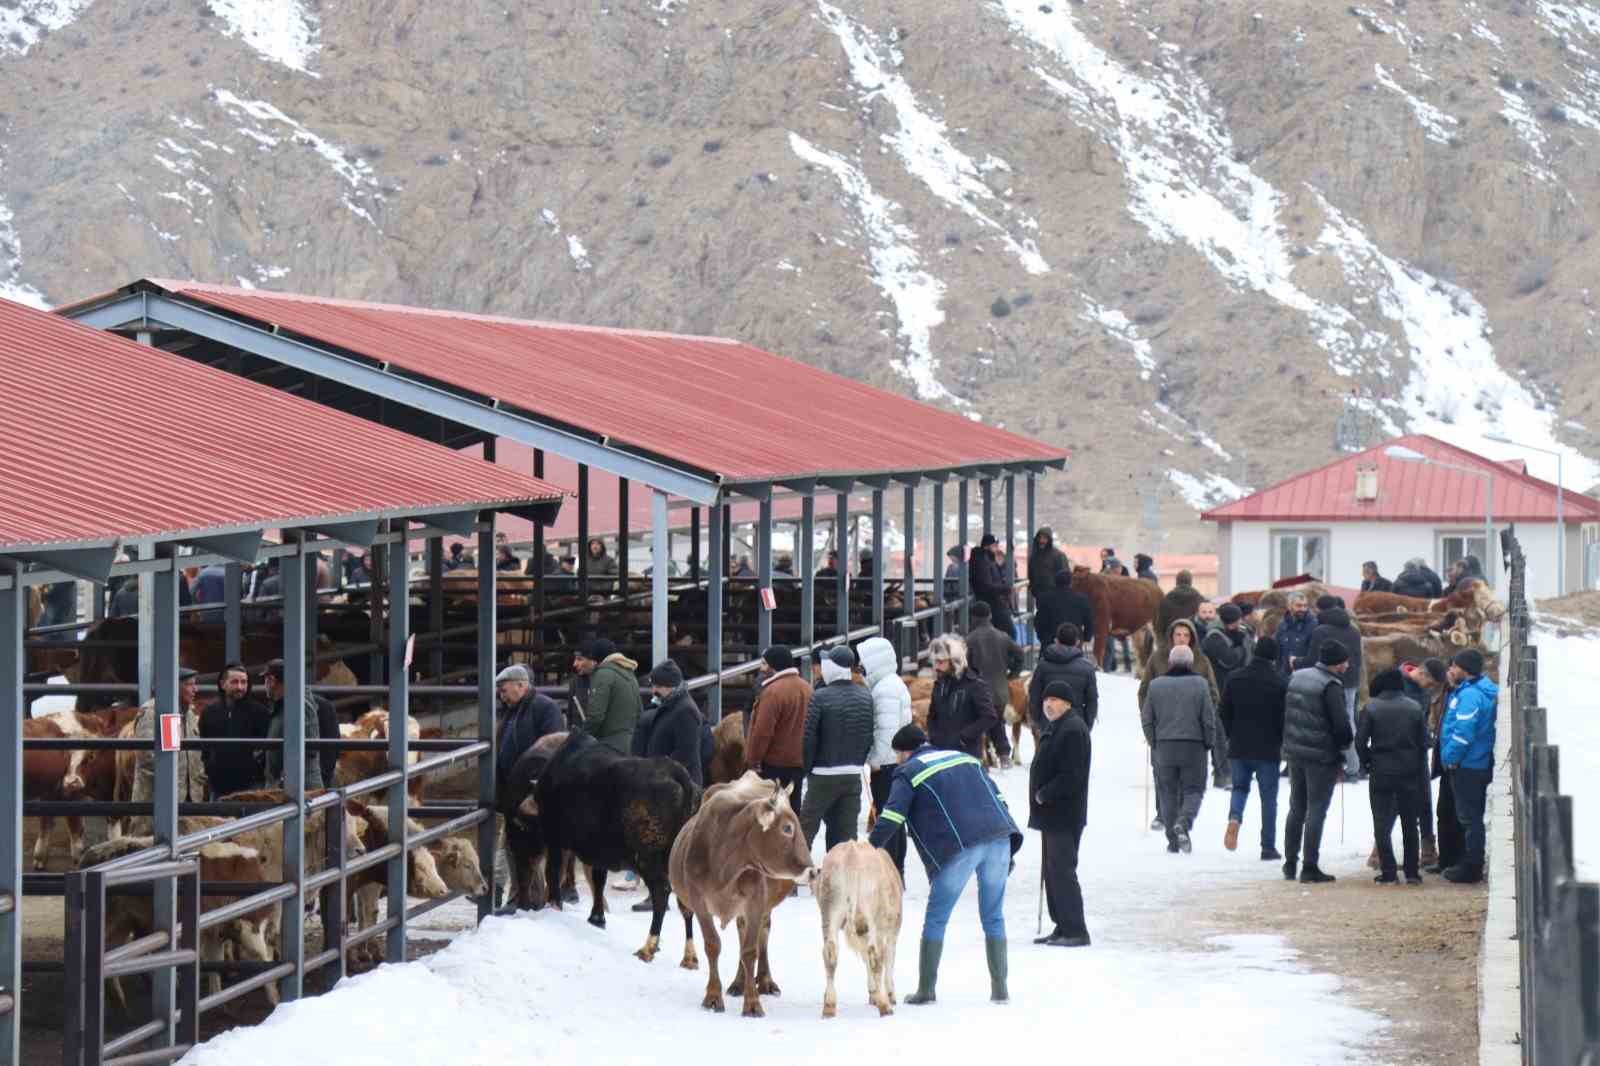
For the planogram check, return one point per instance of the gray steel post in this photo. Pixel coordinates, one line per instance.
(764, 573)
(1011, 538)
(807, 558)
(624, 534)
(295, 580)
(986, 488)
(146, 627)
(13, 622)
(1033, 531)
(312, 584)
(694, 544)
(938, 557)
(909, 555)
(377, 585)
(841, 546)
(436, 607)
(716, 517)
(487, 631)
(583, 533)
(163, 611)
(399, 709)
(964, 586)
(660, 552)
(536, 608)
(878, 560)
(232, 613)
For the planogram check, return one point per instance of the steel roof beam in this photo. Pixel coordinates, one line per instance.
(238, 547)
(361, 534)
(85, 564)
(756, 490)
(422, 396)
(461, 523)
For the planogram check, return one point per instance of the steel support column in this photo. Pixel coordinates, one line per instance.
(297, 571)
(232, 614)
(764, 573)
(877, 560)
(938, 557)
(660, 551)
(312, 585)
(487, 631)
(540, 572)
(436, 607)
(146, 627)
(583, 536)
(13, 623)
(1011, 538)
(377, 593)
(1030, 486)
(717, 524)
(694, 544)
(964, 585)
(908, 595)
(399, 708)
(807, 558)
(841, 547)
(163, 612)
(624, 534)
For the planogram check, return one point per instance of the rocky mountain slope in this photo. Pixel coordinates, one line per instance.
(1199, 242)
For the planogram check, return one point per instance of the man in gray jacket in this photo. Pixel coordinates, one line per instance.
(838, 740)
(991, 653)
(1315, 734)
(1179, 724)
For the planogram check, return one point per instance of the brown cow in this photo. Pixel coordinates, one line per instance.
(727, 759)
(85, 774)
(1470, 594)
(859, 892)
(1121, 604)
(738, 857)
(1387, 652)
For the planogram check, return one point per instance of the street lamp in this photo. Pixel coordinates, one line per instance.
(1411, 455)
(1561, 520)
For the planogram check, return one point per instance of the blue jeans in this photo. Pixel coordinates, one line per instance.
(991, 862)
(1265, 772)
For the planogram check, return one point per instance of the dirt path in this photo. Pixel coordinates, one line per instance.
(1409, 955)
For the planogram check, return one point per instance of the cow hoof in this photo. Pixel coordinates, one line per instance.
(691, 961)
(829, 1010)
(713, 1003)
(38, 866)
(597, 920)
(753, 1010)
(767, 987)
(737, 987)
(644, 955)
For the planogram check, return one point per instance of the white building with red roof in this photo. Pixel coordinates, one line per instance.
(1415, 496)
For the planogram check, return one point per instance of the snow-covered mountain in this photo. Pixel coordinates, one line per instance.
(1198, 243)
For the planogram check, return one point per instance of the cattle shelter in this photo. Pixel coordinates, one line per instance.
(194, 466)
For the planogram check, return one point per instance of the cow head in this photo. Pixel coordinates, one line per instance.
(779, 844)
(423, 880)
(458, 865)
(1483, 599)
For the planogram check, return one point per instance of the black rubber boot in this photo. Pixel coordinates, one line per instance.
(994, 949)
(927, 971)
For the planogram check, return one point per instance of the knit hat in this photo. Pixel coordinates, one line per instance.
(833, 670)
(954, 552)
(1058, 690)
(1436, 670)
(1333, 653)
(1229, 613)
(1267, 648)
(1470, 660)
(666, 674)
(843, 656)
(1388, 681)
(515, 672)
(988, 539)
(909, 738)
(186, 672)
(1180, 655)
(982, 610)
(1328, 603)
(597, 649)
(779, 658)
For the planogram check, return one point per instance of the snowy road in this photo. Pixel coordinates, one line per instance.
(547, 988)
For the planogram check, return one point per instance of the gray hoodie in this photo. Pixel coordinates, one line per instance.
(1178, 707)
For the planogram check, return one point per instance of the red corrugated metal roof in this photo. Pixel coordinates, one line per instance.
(104, 439)
(1408, 491)
(707, 404)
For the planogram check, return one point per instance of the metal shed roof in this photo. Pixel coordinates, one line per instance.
(1408, 491)
(105, 439)
(716, 407)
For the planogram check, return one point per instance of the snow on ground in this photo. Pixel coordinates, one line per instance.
(922, 141)
(24, 22)
(897, 270)
(1569, 677)
(548, 988)
(281, 30)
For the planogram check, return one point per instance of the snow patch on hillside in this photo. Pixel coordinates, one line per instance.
(12, 287)
(896, 270)
(1520, 116)
(578, 253)
(23, 23)
(1565, 19)
(1206, 492)
(922, 142)
(1437, 125)
(1118, 325)
(280, 30)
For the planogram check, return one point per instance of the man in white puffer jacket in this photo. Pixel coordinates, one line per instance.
(891, 711)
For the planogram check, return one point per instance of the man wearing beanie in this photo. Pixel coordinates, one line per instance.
(838, 739)
(1393, 744)
(613, 708)
(672, 726)
(1333, 623)
(1058, 806)
(1252, 719)
(1425, 682)
(774, 746)
(1227, 645)
(1466, 747)
(1316, 732)
(961, 828)
(1179, 722)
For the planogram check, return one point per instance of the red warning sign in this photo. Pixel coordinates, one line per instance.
(768, 600)
(171, 732)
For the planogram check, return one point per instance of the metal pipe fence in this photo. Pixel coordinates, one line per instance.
(1558, 916)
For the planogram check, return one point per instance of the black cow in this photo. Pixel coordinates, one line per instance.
(615, 812)
(524, 835)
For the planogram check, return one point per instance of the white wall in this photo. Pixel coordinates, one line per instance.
(1246, 551)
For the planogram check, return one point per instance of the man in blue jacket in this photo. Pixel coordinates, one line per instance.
(1466, 747)
(961, 827)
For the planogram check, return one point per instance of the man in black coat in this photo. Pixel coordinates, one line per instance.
(1252, 717)
(672, 727)
(1393, 745)
(1372, 581)
(838, 739)
(1061, 604)
(987, 577)
(1227, 645)
(1065, 661)
(1058, 806)
(961, 709)
(1315, 732)
(994, 655)
(233, 715)
(1334, 624)
(1417, 579)
(525, 717)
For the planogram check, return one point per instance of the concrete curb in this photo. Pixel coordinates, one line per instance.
(1499, 966)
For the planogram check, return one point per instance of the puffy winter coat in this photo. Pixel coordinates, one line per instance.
(614, 705)
(891, 700)
(947, 803)
(1294, 637)
(673, 729)
(777, 726)
(839, 726)
(1466, 738)
(1315, 726)
(960, 712)
(1228, 651)
(1061, 663)
(1252, 711)
(1419, 581)
(1335, 624)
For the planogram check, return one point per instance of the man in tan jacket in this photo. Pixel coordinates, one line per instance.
(192, 787)
(775, 746)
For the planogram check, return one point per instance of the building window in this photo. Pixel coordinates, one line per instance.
(1300, 552)
(1452, 546)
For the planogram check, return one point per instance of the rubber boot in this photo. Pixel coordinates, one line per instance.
(927, 971)
(994, 949)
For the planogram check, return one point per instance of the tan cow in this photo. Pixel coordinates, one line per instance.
(1388, 652)
(738, 858)
(1470, 594)
(86, 774)
(859, 892)
(356, 766)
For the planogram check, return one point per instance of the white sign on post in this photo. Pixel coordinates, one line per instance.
(411, 646)
(171, 732)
